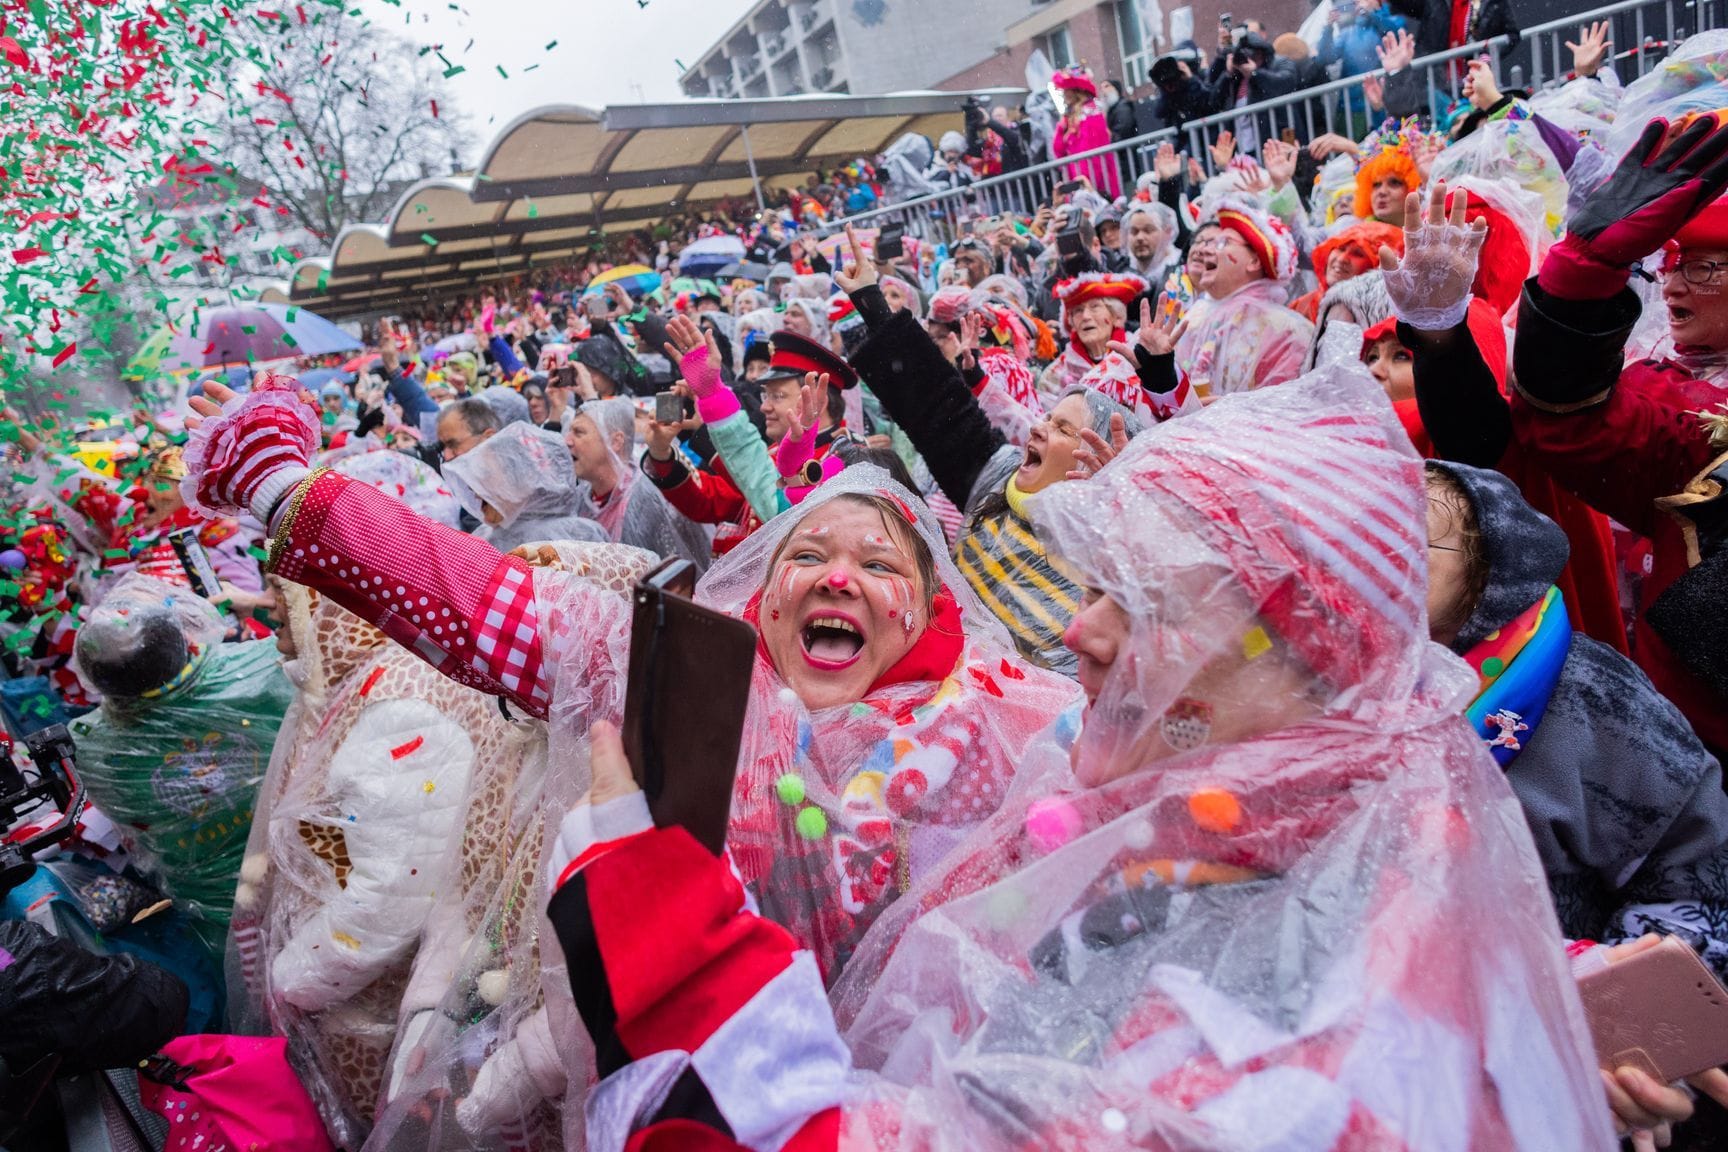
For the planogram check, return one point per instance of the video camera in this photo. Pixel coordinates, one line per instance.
(56, 784)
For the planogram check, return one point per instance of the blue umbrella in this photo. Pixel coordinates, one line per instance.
(249, 334)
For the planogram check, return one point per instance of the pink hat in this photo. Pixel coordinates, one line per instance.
(950, 304)
(1074, 79)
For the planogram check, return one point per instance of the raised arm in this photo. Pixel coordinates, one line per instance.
(735, 438)
(1462, 408)
(923, 393)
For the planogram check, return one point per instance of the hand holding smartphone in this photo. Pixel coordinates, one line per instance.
(1660, 1011)
(684, 706)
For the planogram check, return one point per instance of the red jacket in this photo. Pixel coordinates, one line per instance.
(707, 497)
(1624, 438)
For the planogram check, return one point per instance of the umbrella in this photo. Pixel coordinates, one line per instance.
(706, 256)
(744, 270)
(360, 363)
(635, 279)
(318, 377)
(239, 334)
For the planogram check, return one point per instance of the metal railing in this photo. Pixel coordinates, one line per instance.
(1643, 31)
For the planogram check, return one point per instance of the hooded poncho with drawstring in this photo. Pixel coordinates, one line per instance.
(1210, 918)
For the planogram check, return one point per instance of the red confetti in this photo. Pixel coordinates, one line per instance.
(407, 749)
(371, 679)
(25, 255)
(434, 109)
(13, 52)
(65, 354)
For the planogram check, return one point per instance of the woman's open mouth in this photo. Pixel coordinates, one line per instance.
(1679, 315)
(831, 642)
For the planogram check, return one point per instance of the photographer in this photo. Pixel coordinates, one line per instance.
(1247, 72)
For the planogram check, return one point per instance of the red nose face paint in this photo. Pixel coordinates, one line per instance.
(837, 580)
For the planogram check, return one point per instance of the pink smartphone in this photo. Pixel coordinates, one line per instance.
(1661, 1011)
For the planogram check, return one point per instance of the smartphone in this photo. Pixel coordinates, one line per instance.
(1239, 34)
(1068, 242)
(1661, 1011)
(564, 377)
(668, 407)
(890, 243)
(1069, 187)
(195, 562)
(1225, 20)
(685, 702)
(1288, 135)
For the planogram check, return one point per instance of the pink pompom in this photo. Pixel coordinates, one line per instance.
(1051, 823)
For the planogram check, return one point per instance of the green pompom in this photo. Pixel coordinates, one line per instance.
(812, 823)
(790, 789)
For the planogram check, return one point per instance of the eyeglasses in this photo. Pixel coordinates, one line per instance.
(1698, 272)
(1444, 547)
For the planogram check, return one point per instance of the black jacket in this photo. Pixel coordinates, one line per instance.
(1624, 802)
(1493, 19)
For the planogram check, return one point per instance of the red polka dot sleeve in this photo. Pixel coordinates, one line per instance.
(456, 602)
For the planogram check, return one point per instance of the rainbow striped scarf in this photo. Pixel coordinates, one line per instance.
(1518, 667)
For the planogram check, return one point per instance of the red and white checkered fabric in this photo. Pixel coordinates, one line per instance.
(452, 600)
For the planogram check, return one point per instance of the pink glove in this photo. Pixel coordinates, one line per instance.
(249, 456)
(714, 401)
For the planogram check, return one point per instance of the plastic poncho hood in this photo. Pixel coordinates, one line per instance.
(524, 473)
(1210, 920)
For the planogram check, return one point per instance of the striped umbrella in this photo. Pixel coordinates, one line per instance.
(635, 279)
(238, 334)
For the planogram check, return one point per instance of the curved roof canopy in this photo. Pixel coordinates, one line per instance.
(560, 176)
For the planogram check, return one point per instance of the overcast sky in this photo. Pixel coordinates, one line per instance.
(606, 51)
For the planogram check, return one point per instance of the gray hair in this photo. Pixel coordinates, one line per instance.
(477, 416)
(614, 417)
(1099, 409)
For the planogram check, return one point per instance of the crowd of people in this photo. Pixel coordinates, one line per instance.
(1233, 655)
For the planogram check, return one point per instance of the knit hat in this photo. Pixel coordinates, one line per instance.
(1268, 236)
(1388, 154)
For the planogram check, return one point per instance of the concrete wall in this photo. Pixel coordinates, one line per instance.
(899, 45)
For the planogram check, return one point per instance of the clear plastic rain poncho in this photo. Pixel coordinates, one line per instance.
(178, 767)
(635, 512)
(1269, 894)
(384, 807)
(489, 1044)
(411, 481)
(524, 475)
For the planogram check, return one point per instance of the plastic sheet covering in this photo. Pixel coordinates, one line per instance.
(525, 476)
(1514, 151)
(488, 1038)
(1692, 78)
(357, 839)
(839, 809)
(409, 480)
(635, 512)
(180, 769)
(1266, 892)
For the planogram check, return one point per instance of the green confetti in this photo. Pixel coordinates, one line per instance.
(429, 239)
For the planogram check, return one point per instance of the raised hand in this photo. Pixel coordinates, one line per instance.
(1591, 50)
(1374, 91)
(1480, 87)
(1430, 285)
(1167, 162)
(240, 446)
(1095, 452)
(1255, 179)
(1223, 150)
(1665, 179)
(1396, 50)
(1196, 173)
(1279, 160)
(1331, 144)
(1158, 334)
(697, 354)
(859, 272)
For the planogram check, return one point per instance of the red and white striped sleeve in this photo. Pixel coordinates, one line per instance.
(711, 1027)
(456, 602)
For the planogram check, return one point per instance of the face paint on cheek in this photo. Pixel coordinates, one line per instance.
(1187, 724)
(783, 587)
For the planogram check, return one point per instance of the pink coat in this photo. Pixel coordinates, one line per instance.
(1093, 131)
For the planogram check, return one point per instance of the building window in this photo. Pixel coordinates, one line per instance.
(1138, 52)
(1057, 47)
